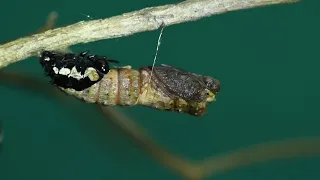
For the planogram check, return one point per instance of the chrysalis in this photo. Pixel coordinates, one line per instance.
(169, 89)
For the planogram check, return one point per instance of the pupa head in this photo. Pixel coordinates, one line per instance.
(212, 84)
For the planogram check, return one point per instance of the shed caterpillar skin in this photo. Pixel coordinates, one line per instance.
(76, 71)
(170, 89)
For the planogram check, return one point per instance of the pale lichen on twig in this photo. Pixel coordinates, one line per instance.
(147, 19)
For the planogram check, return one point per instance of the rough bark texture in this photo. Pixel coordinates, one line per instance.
(147, 19)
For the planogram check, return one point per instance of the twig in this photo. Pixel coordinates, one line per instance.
(25, 81)
(172, 161)
(51, 20)
(284, 149)
(147, 19)
(290, 148)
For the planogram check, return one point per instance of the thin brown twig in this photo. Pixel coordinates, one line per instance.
(284, 149)
(50, 22)
(290, 148)
(173, 162)
(121, 121)
(20, 79)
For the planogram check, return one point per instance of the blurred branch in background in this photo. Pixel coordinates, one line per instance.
(28, 82)
(173, 162)
(284, 149)
(51, 20)
(147, 19)
(291, 148)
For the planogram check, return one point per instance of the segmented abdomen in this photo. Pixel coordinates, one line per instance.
(128, 87)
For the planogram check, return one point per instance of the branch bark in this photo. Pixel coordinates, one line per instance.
(147, 19)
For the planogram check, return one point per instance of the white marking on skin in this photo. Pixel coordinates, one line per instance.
(56, 70)
(64, 71)
(75, 74)
(126, 67)
(91, 73)
(47, 59)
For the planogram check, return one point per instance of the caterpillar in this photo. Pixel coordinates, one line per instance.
(169, 88)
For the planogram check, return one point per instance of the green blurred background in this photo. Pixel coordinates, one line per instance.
(266, 59)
